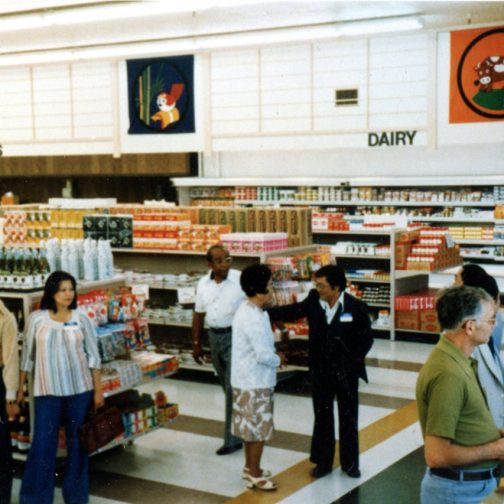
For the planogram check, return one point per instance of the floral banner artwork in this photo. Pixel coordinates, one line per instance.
(161, 95)
(477, 75)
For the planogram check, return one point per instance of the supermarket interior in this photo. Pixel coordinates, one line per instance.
(136, 135)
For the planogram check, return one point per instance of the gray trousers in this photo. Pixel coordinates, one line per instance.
(220, 349)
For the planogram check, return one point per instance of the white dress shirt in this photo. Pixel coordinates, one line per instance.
(330, 312)
(253, 357)
(219, 301)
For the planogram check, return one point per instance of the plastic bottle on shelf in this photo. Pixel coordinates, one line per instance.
(73, 259)
(89, 260)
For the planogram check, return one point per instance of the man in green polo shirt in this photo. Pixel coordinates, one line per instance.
(463, 446)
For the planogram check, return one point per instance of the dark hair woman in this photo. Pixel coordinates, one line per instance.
(60, 346)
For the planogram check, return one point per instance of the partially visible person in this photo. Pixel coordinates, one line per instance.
(490, 369)
(339, 339)
(253, 373)
(474, 275)
(9, 379)
(463, 446)
(60, 346)
(218, 296)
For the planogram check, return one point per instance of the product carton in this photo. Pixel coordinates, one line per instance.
(407, 320)
(429, 321)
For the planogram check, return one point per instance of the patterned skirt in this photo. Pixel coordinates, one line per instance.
(252, 418)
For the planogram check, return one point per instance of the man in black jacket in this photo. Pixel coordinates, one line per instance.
(340, 337)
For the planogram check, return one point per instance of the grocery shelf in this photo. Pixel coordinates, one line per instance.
(468, 220)
(19, 456)
(415, 331)
(124, 440)
(143, 382)
(172, 323)
(376, 327)
(367, 280)
(360, 256)
(355, 231)
(296, 202)
(479, 242)
(378, 305)
(210, 369)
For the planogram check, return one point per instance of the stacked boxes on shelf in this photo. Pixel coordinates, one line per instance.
(14, 228)
(329, 221)
(471, 232)
(116, 228)
(199, 237)
(67, 223)
(433, 251)
(254, 242)
(416, 311)
(360, 248)
(38, 227)
(296, 222)
(158, 230)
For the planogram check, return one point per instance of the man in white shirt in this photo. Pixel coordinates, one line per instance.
(218, 296)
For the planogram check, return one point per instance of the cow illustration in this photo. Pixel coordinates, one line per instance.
(490, 71)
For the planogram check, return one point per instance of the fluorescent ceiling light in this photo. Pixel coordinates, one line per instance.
(120, 11)
(383, 25)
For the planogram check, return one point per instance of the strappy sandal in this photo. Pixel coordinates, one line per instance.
(261, 483)
(264, 473)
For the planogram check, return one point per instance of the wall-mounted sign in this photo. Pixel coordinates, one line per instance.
(391, 138)
(161, 95)
(477, 75)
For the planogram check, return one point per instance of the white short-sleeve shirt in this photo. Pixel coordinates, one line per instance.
(219, 301)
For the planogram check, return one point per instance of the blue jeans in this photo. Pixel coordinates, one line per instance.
(38, 478)
(437, 490)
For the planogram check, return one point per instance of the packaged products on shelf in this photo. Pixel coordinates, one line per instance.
(417, 311)
(254, 242)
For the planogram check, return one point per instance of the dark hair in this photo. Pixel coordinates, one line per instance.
(52, 286)
(473, 275)
(210, 251)
(254, 279)
(334, 274)
(457, 304)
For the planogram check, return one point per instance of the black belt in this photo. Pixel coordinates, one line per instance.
(461, 475)
(220, 330)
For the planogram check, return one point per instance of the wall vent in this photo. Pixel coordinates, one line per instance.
(346, 97)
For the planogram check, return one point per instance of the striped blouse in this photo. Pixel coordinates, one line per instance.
(62, 354)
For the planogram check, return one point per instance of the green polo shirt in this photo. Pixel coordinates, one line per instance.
(450, 401)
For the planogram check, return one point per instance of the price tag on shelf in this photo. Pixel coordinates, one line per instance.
(186, 295)
(140, 290)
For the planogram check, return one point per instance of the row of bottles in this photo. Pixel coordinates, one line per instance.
(23, 269)
(84, 259)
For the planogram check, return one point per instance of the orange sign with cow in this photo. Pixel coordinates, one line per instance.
(477, 75)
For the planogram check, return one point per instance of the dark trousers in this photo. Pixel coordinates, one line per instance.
(6, 467)
(344, 386)
(220, 349)
(38, 478)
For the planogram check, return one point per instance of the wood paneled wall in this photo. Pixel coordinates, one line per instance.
(96, 165)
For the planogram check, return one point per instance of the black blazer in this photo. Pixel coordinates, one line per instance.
(342, 342)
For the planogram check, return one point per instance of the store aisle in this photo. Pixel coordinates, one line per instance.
(178, 463)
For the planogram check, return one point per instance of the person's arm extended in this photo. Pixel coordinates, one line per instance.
(442, 453)
(197, 328)
(289, 312)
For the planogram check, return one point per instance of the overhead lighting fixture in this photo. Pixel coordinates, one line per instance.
(381, 25)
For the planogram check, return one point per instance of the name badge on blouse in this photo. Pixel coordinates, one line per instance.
(346, 317)
(70, 325)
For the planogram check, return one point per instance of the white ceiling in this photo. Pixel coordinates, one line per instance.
(69, 23)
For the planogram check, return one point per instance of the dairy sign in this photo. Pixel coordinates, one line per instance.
(391, 138)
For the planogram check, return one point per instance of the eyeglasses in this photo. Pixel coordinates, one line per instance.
(321, 286)
(490, 321)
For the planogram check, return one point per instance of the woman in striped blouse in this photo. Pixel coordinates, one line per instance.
(60, 344)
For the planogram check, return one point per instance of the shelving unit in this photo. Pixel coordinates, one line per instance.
(432, 187)
(28, 300)
(163, 330)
